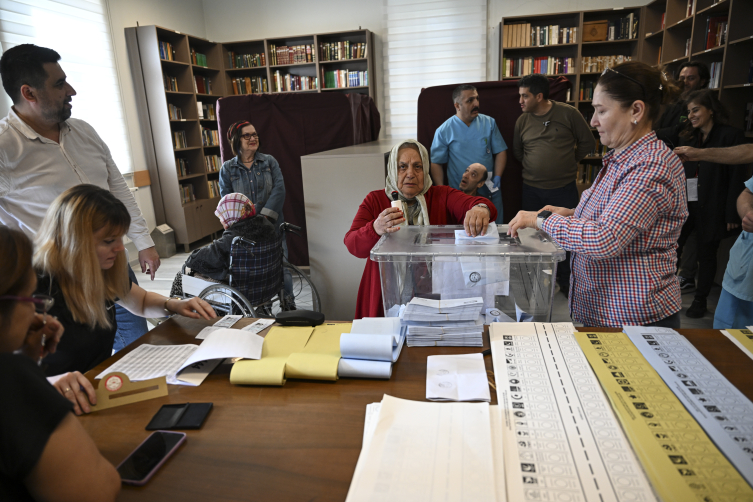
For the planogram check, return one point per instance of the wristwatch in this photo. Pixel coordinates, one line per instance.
(541, 217)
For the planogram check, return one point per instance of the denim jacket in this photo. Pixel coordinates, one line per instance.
(262, 183)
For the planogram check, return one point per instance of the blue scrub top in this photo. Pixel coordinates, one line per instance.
(738, 278)
(459, 145)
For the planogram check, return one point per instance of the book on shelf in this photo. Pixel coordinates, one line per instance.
(250, 85)
(658, 57)
(171, 83)
(296, 54)
(687, 47)
(715, 69)
(212, 163)
(567, 96)
(287, 82)
(202, 85)
(246, 60)
(166, 51)
(597, 64)
(214, 189)
(525, 35)
(210, 137)
(587, 173)
(625, 28)
(716, 31)
(187, 194)
(198, 58)
(344, 78)
(206, 110)
(174, 112)
(586, 91)
(690, 9)
(180, 139)
(546, 65)
(182, 166)
(663, 15)
(340, 51)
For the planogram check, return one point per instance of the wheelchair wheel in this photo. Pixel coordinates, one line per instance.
(305, 296)
(226, 300)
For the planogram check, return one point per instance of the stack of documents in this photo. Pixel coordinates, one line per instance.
(372, 345)
(448, 323)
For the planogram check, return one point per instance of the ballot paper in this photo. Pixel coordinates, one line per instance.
(171, 361)
(427, 451)
(258, 326)
(743, 338)
(461, 309)
(371, 347)
(361, 368)
(491, 235)
(445, 333)
(459, 377)
(228, 321)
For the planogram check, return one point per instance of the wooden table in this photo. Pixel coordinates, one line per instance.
(299, 442)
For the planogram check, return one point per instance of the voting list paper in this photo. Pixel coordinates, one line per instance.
(561, 438)
(426, 451)
(718, 406)
(743, 338)
(460, 377)
(679, 458)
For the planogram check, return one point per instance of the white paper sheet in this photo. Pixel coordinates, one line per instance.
(459, 377)
(370, 347)
(377, 326)
(258, 326)
(360, 368)
(201, 335)
(491, 235)
(151, 361)
(224, 343)
(228, 321)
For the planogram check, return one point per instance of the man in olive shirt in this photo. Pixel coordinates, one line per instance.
(550, 139)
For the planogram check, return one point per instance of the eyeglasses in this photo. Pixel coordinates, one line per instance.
(248, 137)
(42, 303)
(627, 77)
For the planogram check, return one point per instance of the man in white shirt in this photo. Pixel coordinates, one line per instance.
(43, 152)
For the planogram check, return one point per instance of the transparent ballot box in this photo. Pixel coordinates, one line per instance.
(516, 276)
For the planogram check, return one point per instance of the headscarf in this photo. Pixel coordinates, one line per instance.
(422, 217)
(233, 208)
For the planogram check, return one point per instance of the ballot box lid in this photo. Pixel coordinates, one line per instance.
(438, 243)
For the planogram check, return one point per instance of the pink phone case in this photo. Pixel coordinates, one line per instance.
(156, 467)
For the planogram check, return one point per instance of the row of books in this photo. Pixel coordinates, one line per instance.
(344, 78)
(206, 110)
(597, 64)
(187, 194)
(182, 166)
(202, 85)
(290, 55)
(525, 35)
(180, 139)
(166, 51)
(214, 188)
(198, 58)
(287, 82)
(586, 91)
(338, 51)
(587, 173)
(174, 112)
(171, 83)
(515, 67)
(624, 28)
(716, 31)
(210, 137)
(716, 75)
(250, 85)
(212, 163)
(246, 60)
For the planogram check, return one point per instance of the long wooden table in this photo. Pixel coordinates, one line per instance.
(299, 442)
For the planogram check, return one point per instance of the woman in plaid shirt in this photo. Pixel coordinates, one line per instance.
(623, 234)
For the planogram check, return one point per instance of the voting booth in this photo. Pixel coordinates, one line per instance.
(515, 276)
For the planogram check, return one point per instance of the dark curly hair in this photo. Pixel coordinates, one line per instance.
(708, 100)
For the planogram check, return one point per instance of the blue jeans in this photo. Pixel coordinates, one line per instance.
(495, 198)
(130, 326)
(732, 312)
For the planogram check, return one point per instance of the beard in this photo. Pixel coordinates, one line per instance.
(57, 114)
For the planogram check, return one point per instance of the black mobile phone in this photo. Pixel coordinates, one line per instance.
(141, 465)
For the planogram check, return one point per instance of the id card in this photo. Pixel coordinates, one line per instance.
(692, 189)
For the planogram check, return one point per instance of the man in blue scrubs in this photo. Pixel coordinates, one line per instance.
(466, 138)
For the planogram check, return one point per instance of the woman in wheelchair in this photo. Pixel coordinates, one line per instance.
(82, 266)
(238, 217)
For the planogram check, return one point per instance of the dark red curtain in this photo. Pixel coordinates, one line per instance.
(293, 125)
(498, 100)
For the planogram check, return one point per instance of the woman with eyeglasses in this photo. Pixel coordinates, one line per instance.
(257, 176)
(81, 262)
(38, 432)
(623, 234)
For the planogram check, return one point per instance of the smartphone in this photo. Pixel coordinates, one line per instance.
(141, 465)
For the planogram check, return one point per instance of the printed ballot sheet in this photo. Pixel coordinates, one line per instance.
(681, 461)
(561, 438)
(718, 406)
(743, 338)
(458, 377)
(426, 451)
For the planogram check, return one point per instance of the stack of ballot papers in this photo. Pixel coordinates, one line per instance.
(444, 323)
(372, 345)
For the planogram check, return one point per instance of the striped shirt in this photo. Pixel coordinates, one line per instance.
(623, 238)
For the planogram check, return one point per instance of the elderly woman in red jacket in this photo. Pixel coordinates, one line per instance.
(408, 179)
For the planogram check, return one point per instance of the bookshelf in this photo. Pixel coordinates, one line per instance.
(588, 58)
(179, 79)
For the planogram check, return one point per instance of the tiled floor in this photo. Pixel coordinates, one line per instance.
(560, 311)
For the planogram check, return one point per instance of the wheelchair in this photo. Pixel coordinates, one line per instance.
(256, 281)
